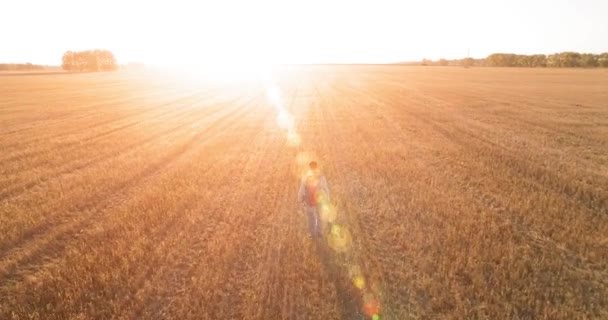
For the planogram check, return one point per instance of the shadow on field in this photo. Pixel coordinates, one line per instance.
(348, 297)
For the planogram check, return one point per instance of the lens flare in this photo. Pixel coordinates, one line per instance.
(302, 159)
(293, 139)
(327, 212)
(273, 95)
(339, 238)
(322, 198)
(370, 305)
(359, 282)
(285, 120)
(354, 270)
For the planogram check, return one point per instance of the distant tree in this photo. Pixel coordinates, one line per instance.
(569, 59)
(602, 60)
(108, 61)
(20, 67)
(520, 61)
(538, 60)
(90, 60)
(553, 60)
(556, 60)
(68, 61)
(492, 60)
(588, 60)
(501, 60)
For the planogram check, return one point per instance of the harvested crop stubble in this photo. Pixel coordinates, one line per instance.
(469, 193)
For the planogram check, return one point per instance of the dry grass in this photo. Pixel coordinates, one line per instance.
(470, 193)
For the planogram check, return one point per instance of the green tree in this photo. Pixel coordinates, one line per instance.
(588, 60)
(603, 60)
(570, 59)
(538, 60)
(553, 61)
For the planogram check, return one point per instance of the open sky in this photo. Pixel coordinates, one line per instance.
(310, 31)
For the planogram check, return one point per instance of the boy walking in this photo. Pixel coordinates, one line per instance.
(313, 191)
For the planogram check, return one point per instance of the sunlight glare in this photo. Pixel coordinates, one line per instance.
(293, 138)
(273, 95)
(285, 120)
(224, 72)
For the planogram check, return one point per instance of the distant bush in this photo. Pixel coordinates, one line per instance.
(557, 60)
(20, 67)
(466, 62)
(90, 60)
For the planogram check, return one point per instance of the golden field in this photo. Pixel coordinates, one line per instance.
(475, 193)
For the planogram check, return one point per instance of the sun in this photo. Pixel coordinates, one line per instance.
(235, 58)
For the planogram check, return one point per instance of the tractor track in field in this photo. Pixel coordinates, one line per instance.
(239, 228)
(274, 228)
(201, 226)
(80, 115)
(465, 136)
(349, 207)
(176, 97)
(179, 201)
(187, 267)
(175, 112)
(489, 150)
(181, 269)
(131, 121)
(272, 281)
(72, 168)
(527, 169)
(60, 229)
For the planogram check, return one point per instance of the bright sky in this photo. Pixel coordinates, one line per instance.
(310, 31)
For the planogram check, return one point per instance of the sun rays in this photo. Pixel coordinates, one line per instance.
(337, 236)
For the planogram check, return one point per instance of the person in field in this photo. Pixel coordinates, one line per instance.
(313, 191)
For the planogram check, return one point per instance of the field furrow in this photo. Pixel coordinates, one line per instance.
(459, 193)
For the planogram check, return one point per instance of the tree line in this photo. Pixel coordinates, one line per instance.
(556, 60)
(20, 67)
(89, 60)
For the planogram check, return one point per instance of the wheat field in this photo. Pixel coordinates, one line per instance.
(475, 193)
